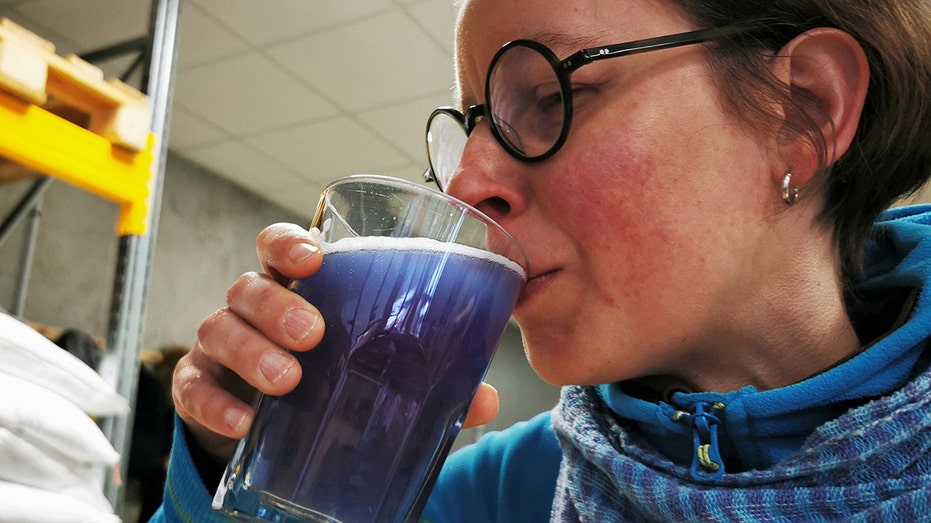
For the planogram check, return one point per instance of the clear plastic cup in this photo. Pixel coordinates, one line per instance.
(416, 289)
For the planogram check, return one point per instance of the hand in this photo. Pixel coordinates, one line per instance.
(240, 349)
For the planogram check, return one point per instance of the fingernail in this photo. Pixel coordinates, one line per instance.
(302, 252)
(298, 323)
(274, 365)
(235, 417)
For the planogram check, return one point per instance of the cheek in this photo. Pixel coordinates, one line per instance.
(613, 210)
(616, 193)
(638, 217)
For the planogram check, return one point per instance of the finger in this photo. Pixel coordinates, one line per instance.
(484, 407)
(279, 314)
(231, 343)
(287, 251)
(215, 416)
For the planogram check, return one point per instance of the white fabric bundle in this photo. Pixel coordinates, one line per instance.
(53, 457)
(42, 416)
(26, 353)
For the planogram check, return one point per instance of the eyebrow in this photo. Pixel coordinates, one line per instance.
(569, 43)
(557, 41)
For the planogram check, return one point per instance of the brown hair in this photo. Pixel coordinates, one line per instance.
(890, 156)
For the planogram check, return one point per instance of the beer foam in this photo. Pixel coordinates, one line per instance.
(388, 243)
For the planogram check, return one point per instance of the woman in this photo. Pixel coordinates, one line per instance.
(737, 339)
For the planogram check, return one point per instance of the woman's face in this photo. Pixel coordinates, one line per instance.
(646, 232)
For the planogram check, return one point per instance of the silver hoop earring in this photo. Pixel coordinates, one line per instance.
(789, 191)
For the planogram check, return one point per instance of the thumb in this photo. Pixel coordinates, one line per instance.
(484, 407)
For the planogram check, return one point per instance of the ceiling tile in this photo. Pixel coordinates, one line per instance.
(188, 131)
(246, 94)
(438, 17)
(377, 61)
(261, 23)
(202, 39)
(404, 125)
(329, 150)
(244, 165)
(87, 24)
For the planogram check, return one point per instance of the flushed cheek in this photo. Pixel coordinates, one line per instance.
(609, 197)
(639, 256)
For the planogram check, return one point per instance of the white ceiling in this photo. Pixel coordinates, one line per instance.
(282, 96)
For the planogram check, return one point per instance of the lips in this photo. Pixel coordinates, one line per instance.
(535, 286)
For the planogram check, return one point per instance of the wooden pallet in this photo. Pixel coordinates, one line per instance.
(72, 88)
(60, 118)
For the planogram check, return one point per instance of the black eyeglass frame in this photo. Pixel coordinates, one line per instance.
(563, 70)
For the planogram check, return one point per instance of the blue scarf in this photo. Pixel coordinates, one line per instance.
(870, 464)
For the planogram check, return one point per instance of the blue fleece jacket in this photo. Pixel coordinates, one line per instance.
(510, 476)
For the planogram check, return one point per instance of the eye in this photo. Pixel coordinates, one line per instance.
(550, 102)
(583, 95)
(548, 98)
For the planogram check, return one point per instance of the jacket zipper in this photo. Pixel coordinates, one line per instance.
(704, 419)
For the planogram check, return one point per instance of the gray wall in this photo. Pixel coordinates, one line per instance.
(206, 235)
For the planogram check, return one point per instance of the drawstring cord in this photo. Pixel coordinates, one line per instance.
(703, 420)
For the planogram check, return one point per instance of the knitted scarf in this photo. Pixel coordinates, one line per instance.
(871, 464)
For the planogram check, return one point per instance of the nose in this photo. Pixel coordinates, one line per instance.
(488, 178)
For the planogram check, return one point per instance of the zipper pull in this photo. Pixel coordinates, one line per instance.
(706, 458)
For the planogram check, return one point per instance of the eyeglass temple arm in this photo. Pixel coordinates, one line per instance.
(650, 44)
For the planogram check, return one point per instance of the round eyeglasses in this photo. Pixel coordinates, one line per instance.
(528, 99)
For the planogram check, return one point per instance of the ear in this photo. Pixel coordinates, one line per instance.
(827, 74)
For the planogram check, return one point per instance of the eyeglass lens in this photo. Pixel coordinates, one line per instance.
(446, 140)
(526, 101)
(527, 106)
